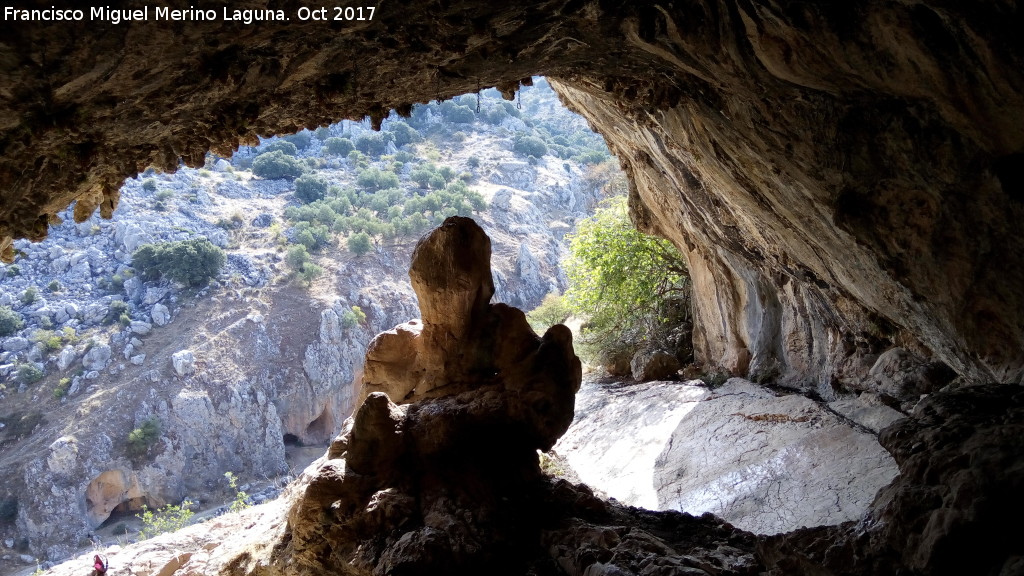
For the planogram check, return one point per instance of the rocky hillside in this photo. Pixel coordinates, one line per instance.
(120, 391)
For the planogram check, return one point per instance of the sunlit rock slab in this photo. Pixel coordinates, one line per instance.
(766, 463)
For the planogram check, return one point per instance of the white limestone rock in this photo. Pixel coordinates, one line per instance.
(160, 315)
(141, 328)
(765, 463)
(16, 344)
(184, 362)
(97, 357)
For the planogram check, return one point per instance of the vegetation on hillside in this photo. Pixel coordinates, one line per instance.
(191, 262)
(392, 186)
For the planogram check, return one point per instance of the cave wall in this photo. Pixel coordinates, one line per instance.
(841, 178)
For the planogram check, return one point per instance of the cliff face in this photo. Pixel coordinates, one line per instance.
(842, 179)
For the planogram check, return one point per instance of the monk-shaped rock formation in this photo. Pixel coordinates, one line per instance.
(438, 469)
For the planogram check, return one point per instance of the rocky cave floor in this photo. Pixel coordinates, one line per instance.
(960, 456)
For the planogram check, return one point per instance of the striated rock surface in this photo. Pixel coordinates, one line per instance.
(765, 463)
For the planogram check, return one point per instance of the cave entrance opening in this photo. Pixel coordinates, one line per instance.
(127, 512)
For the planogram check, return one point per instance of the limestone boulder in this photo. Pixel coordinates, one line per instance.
(97, 357)
(160, 315)
(772, 464)
(959, 455)
(184, 362)
(141, 328)
(66, 357)
(653, 365)
(16, 344)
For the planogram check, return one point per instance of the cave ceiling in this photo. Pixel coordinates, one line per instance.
(836, 163)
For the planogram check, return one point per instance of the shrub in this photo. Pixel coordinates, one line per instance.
(29, 374)
(359, 243)
(460, 115)
(280, 145)
(353, 317)
(530, 146)
(149, 185)
(373, 144)
(339, 146)
(13, 270)
(10, 321)
(117, 309)
(29, 296)
(552, 310)
(309, 273)
(61, 390)
(473, 162)
(310, 188)
(241, 500)
(143, 437)
(50, 340)
(275, 165)
(301, 140)
(54, 286)
(191, 262)
(167, 519)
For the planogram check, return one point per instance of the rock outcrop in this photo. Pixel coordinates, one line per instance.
(960, 456)
(766, 463)
(446, 472)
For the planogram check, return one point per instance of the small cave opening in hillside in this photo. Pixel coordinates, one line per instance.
(114, 491)
(321, 429)
(128, 511)
(291, 440)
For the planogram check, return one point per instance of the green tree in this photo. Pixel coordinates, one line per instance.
(283, 146)
(632, 288)
(301, 139)
(359, 243)
(403, 133)
(551, 310)
(376, 179)
(275, 165)
(310, 188)
(339, 146)
(191, 262)
(530, 146)
(143, 437)
(297, 257)
(373, 144)
(10, 321)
